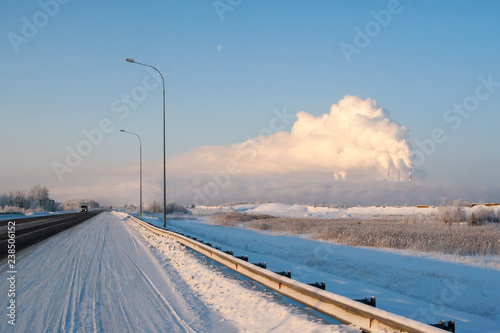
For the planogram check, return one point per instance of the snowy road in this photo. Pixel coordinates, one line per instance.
(98, 277)
(111, 275)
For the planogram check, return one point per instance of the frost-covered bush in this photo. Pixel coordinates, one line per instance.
(175, 208)
(232, 218)
(26, 202)
(11, 209)
(449, 214)
(481, 215)
(74, 204)
(172, 208)
(130, 209)
(25, 211)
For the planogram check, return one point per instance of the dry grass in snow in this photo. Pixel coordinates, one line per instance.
(409, 233)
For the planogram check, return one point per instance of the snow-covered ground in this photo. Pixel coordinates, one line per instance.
(111, 275)
(428, 287)
(278, 209)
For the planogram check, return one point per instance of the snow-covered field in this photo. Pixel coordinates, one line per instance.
(332, 212)
(278, 209)
(428, 287)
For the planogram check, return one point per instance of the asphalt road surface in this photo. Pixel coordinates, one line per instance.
(31, 230)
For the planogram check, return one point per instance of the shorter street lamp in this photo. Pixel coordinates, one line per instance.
(164, 143)
(140, 168)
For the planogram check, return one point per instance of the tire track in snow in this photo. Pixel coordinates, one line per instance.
(82, 269)
(89, 290)
(155, 292)
(92, 278)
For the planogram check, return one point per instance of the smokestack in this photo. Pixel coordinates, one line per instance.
(411, 176)
(399, 178)
(388, 168)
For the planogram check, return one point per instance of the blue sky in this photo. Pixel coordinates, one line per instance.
(226, 70)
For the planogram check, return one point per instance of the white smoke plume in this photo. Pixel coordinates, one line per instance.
(356, 140)
(341, 157)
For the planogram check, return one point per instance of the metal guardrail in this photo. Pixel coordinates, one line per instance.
(343, 309)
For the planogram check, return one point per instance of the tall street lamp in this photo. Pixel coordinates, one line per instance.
(164, 148)
(140, 168)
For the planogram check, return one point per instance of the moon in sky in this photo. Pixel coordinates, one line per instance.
(219, 48)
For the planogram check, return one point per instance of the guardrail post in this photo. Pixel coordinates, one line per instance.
(320, 285)
(371, 302)
(287, 274)
(261, 264)
(445, 325)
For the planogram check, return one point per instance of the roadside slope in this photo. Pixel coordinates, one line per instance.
(424, 287)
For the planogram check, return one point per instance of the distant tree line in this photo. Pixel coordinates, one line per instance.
(37, 199)
(74, 204)
(34, 200)
(156, 208)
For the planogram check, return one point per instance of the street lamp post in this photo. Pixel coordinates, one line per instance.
(140, 168)
(164, 148)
